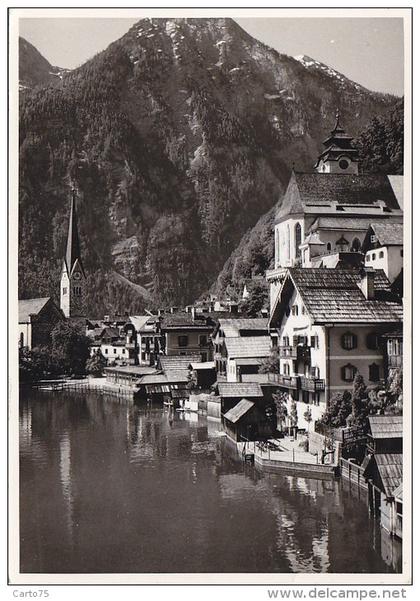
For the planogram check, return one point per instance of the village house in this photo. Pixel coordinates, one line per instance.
(240, 327)
(244, 355)
(37, 319)
(187, 333)
(247, 420)
(330, 324)
(147, 337)
(383, 248)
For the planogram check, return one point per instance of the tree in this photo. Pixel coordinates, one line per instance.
(293, 415)
(307, 416)
(95, 365)
(34, 364)
(69, 348)
(338, 410)
(257, 299)
(394, 391)
(191, 380)
(271, 364)
(280, 401)
(359, 403)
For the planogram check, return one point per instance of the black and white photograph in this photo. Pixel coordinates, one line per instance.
(210, 296)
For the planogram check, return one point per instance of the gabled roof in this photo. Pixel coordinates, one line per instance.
(139, 321)
(314, 193)
(234, 327)
(248, 346)
(31, 306)
(387, 234)
(166, 378)
(238, 411)
(386, 426)
(334, 296)
(239, 389)
(390, 468)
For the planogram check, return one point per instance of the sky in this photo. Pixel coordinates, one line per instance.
(369, 51)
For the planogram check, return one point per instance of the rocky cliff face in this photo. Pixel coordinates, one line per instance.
(178, 136)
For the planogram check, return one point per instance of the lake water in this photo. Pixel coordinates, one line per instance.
(108, 486)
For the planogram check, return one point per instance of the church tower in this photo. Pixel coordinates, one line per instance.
(339, 156)
(73, 278)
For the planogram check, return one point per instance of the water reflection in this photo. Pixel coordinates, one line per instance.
(122, 488)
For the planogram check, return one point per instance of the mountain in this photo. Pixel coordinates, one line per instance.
(380, 147)
(178, 137)
(34, 69)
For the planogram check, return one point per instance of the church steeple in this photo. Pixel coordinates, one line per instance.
(73, 242)
(73, 276)
(339, 156)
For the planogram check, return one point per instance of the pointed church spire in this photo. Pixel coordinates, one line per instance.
(339, 155)
(73, 242)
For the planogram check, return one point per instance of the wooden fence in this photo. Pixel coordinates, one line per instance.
(353, 472)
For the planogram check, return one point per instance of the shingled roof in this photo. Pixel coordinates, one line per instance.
(238, 411)
(31, 306)
(234, 327)
(239, 389)
(328, 192)
(388, 234)
(390, 468)
(177, 362)
(386, 426)
(334, 296)
(248, 346)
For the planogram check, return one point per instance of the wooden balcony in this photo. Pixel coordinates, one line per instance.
(288, 352)
(290, 382)
(312, 384)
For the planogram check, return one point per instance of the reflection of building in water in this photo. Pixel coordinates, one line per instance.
(66, 482)
(25, 428)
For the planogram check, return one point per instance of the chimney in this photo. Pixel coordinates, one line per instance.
(367, 283)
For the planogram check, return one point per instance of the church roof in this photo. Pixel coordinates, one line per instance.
(73, 243)
(341, 194)
(337, 144)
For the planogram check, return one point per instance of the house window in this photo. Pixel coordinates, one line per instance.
(287, 311)
(298, 239)
(286, 369)
(182, 340)
(373, 256)
(106, 351)
(303, 310)
(314, 341)
(349, 341)
(348, 372)
(315, 398)
(373, 372)
(286, 341)
(77, 290)
(394, 347)
(356, 246)
(123, 351)
(367, 258)
(314, 372)
(64, 290)
(329, 246)
(203, 340)
(21, 340)
(373, 239)
(305, 396)
(115, 351)
(381, 254)
(372, 341)
(295, 310)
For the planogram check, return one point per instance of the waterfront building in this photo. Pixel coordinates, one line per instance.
(385, 434)
(188, 333)
(148, 338)
(246, 421)
(330, 324)
(73, 278)
(232, 392)
(244, 355)
(37, 319)
(383, 248)
(240, 327)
